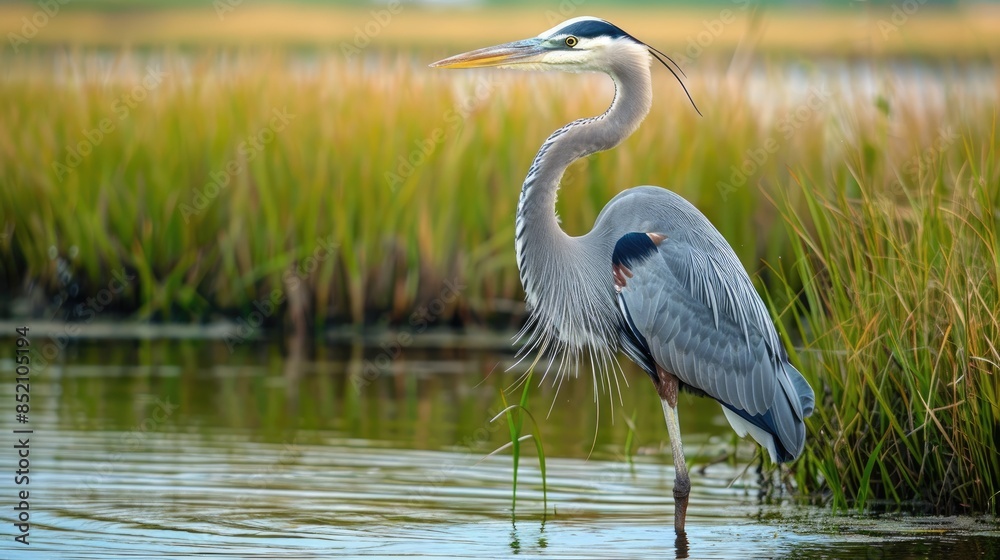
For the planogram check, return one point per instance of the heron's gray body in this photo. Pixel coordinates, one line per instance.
(691, 304)
(696, 312)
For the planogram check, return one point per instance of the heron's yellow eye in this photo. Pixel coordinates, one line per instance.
(571, 41)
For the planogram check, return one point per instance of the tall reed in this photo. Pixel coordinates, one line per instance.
(411, 175)
(893, 289)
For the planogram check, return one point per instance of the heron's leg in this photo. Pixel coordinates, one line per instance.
(682, 483)
(667, 390)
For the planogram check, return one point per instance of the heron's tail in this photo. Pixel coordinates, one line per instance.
(807, 399)
(781, 429)
(791, 427)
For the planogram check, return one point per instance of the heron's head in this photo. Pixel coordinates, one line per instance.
(582, 44)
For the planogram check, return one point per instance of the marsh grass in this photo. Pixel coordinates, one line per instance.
(900, 315)
(413, 175)
(874, 239)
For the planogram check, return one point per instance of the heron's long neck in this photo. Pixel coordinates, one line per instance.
(553, 265)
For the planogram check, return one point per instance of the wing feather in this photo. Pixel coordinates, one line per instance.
(703, 321)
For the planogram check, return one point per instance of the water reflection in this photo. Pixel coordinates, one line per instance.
(276, 451)
(681, 545)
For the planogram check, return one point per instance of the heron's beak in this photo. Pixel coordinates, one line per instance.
(507, 54)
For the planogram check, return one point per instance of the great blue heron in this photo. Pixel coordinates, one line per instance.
(653, 278)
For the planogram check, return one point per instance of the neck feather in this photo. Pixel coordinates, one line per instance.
(567, 279)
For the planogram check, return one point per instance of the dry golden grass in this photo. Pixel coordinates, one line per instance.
(930, 31)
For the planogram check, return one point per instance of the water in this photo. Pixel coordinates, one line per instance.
(171, 449)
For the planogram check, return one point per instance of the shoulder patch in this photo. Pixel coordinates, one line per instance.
(634, 248)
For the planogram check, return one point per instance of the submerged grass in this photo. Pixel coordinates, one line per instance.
(514, 415)
(630, 437)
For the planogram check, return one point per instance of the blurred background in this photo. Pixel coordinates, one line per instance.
(265, 259)
(238, 136)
